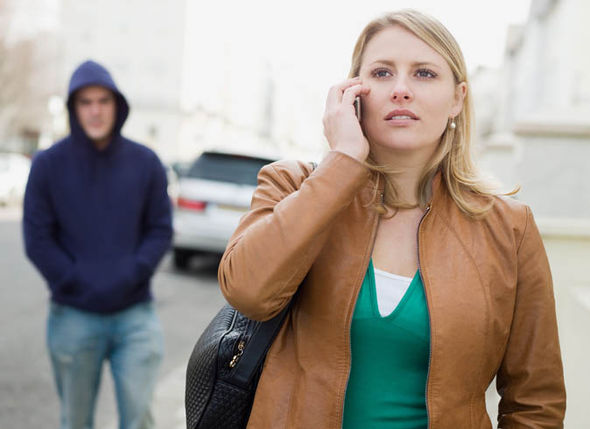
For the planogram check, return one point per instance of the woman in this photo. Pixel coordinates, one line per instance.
(421, 285)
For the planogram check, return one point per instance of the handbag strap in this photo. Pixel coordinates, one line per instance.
(258, 346)
(260, 341)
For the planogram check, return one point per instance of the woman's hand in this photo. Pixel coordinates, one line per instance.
(341, 126)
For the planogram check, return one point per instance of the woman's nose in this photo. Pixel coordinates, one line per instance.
(401, 92)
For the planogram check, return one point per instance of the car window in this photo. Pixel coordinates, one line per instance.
(227, 168)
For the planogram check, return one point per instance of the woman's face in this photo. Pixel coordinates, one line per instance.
(413, 93)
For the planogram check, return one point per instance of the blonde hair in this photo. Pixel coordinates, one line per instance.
(453, 154)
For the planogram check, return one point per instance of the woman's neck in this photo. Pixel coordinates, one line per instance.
(409, 167)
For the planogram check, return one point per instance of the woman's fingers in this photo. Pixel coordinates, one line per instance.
(341, 126)
(349, 97)
(352, 92)
(335, 93)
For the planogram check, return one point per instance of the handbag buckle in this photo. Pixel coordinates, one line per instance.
(236, 358)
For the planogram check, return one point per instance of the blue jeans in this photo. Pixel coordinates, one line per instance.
(79, 342)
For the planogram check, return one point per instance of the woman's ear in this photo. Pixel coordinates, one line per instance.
(460, 92)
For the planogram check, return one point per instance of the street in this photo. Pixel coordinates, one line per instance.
(186, 302)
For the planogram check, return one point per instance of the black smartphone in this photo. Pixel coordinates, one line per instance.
(357, 107)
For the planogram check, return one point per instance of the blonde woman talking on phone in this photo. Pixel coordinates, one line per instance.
(414, 283)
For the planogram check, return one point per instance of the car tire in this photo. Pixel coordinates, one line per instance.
(182, 258)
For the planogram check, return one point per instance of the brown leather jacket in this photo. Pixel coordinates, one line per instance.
(487, 283)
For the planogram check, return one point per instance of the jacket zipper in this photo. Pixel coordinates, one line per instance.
(372, 244)
(428, 308)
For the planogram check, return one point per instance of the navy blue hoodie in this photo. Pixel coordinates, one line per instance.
(96, 223)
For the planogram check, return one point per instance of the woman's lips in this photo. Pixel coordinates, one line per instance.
(401, 115)
(401, 118)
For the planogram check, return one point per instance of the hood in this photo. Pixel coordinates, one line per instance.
(87, 74)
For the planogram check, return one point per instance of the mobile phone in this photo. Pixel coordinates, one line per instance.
(357, 107)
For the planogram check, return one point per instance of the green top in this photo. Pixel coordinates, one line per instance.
(387, 384)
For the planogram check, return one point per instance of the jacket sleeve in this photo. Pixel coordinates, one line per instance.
(277, 241)
(156, 225)
(530, 379)
(39, 230)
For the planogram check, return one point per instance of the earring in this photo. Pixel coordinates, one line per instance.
(452, 125)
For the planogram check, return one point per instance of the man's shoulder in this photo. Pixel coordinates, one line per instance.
(59, 146)
(139, 149)
(55, 151)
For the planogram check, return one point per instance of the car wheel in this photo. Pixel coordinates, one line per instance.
(182, 258)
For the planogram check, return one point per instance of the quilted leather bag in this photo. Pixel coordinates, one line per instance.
(224, 369)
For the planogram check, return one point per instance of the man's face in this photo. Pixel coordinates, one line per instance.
(96, 111)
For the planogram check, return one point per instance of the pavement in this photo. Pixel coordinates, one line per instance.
(168, 406)
(169, 400)
(10, 213)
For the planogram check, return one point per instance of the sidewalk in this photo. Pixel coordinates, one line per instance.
(10, 213)
(169, 401)
(168, 404)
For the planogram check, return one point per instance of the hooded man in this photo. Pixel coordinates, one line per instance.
(96, 224)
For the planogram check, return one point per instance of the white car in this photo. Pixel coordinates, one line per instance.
(212, 196)
(14, 172)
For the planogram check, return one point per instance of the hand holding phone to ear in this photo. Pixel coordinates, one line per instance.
(342, 119)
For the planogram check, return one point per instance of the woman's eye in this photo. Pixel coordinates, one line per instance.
(425, 73)
(381, 73)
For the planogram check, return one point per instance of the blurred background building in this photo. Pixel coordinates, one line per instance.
(27, 75)
(533, 122)
(147, 62)
(534, 113)
(190, 87)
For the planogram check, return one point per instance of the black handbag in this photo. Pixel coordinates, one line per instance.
(224, 369)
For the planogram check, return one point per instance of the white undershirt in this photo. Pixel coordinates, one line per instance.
(390, 290)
